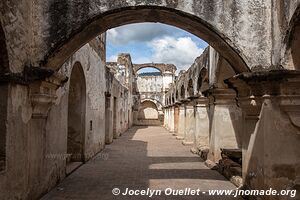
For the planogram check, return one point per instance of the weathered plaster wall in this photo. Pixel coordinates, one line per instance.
(37, 147)
(121, 91)
(151, 84)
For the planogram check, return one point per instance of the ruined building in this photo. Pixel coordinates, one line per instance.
(237, 106)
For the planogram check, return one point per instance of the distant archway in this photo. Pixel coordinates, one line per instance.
(159, 66)
(158, 104)
(148, 71)
(76, 115)
(148, 111)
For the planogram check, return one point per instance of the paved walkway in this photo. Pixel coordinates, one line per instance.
(144, 157)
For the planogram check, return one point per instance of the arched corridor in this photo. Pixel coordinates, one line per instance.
(78, 119)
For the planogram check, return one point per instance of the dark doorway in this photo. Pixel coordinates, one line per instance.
(76, 118)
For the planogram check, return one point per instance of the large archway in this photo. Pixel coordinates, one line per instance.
(76, 117)
(117, 15)
(157, 103)
(162, 68)
(148, 111)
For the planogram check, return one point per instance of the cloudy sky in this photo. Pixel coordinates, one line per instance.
(154, 42)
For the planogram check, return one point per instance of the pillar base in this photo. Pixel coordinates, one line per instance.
(179, 138)
(194, 150)
(186, 143)
(211, 165)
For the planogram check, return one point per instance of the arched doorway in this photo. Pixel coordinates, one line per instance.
(190, 88)
(148, 113)
(182, 92)
(4, 67)
(76, 118)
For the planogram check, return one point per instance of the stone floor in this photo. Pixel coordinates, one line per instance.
(143, 157)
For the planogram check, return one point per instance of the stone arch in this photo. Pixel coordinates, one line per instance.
(202, 78)
(148, 110)
(190, 88)
(159, 66)
(136, 70)
(158, 104)
(76, 115)
(293, 42)
(80, 30)
(182, 92)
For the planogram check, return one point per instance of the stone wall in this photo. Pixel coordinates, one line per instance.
(36, 159)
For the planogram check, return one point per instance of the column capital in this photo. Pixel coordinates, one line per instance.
(185, 101)
(190, 106)
(178, 103)
(221, 96)
(256, 87)
(201, 101)
(43, 94)
(182, 107)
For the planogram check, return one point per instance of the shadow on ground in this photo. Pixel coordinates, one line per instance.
(143, 157)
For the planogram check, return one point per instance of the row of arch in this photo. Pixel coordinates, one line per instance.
(187, 87)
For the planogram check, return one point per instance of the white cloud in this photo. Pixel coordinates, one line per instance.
(137, 33)
(180, 51)
(135, 59)
(112, 58)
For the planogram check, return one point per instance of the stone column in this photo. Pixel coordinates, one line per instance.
(171, 119)
(271, 108)
(190, 124)
(181, 122)
(165, 117)
(202, 127)
(226, 123)
(168, 118)
(176, 119)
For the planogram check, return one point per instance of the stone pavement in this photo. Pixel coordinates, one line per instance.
(143, 157)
